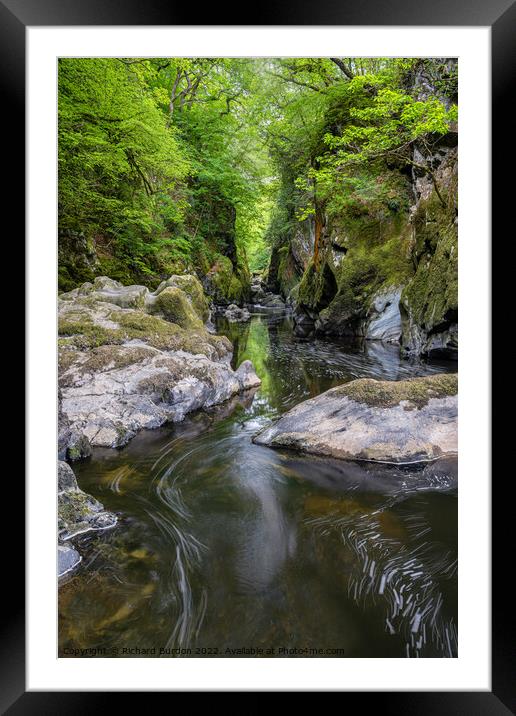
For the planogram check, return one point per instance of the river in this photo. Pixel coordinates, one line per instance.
(225, 548)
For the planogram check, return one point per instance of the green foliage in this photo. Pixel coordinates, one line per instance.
(208, 165)
(119, 165)
(160, 165)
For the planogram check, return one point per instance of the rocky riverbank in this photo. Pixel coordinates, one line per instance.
(399, 422)
(261, 297)
(131, 359)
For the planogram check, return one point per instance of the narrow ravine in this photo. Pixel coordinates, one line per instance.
(226, 548)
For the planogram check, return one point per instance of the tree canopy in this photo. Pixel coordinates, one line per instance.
(166, 164)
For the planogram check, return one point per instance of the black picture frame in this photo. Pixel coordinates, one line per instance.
(500, 16)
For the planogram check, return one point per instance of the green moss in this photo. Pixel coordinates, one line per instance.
(224, 284)
(87, 334)
(317, 287)
(192, 287)
(153, 330)
(388, 393)
(73, 507)
(83, 334)
(294, 293)
(106, 357)
(174, 305)
(74, 453)
(287, 274)
(432, 295)
(377, 257)
(66, 358)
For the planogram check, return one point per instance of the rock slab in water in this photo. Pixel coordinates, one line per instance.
(67, 559)
(78, 514)
(383, 421)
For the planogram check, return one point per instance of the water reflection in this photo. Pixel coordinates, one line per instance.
(224, 544)
(270, 536)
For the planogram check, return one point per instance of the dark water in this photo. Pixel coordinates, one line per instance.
(225, 546)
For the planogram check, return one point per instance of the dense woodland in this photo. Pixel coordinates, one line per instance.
(311, 171)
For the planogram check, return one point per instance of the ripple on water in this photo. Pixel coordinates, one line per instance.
(227, 544)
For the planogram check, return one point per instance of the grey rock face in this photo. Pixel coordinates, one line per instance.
(64, 432)
(397, 422)
(65, 477)
(302, 243)
(111, 291)
(384, 323)
(417, 340)
(109, 407)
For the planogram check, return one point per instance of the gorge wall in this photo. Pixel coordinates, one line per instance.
(383, 264)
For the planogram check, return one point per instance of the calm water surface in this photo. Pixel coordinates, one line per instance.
(224, 546)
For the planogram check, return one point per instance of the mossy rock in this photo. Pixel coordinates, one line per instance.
(174, 305)
(287, 272)
(192, 287)
(318, 287)
(432, 295)
(98, 360)
(79, 331)
(377, 257)
(223, 284)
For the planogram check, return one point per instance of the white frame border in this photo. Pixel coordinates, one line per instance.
(471, 670)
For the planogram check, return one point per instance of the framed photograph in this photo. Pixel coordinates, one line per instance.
(248, 250)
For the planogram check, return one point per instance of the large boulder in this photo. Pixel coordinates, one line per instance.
(383, 421)
(111, 291)
(179, 299)
(173, 304)
(192, 287)
(124, 369)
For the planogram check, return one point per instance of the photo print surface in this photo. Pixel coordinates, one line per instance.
(258, 343)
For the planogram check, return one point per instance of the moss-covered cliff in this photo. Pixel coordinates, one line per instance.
(366, 243)
(403, 253)
(429, 302)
